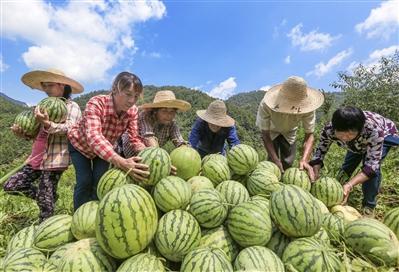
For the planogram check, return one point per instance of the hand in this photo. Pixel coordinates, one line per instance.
(42, 117)
(279, 165)
(17, 130)
(138, 170)
(173, 170)
(316, 171)
(347, 190)
(309, 169)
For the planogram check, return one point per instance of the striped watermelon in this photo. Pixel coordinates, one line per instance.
(297, 177)
(295, 212)
(57, 255)
(126, 221)
(55, 107)
(249, 223)
(309, 255)
(84, 220)
(271, 167)
(209, 207)
(328, 190)
(159, 164)
(234, 192)
(258, 258)
(142, 262)
(178, 233)
(278, 242)
(322, 236)
(187, 161)
(220, 238)
(206, 259)
(323, 207)
(262, 198)
(24, 259)
(27, 122)
(111, 179)
(242, 159)
(172, 193)
(213, 157)
(216, 171)
(334, 226)
(347, 213)
(391, 220)
(22, 239)
(198, 182)
(86, 255)
(243, 179)
(373, 239)
(261, 181)
(55, 231)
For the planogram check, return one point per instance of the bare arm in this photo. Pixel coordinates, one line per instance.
(307, 151)
(268, 143)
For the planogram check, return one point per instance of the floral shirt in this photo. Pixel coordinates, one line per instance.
(368, 142)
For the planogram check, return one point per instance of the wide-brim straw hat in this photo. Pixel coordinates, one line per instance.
(216, 114)
(34, 79)
(294, 97)
(167, 99)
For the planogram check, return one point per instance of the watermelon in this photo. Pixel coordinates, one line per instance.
(233, 192)
(187, 161)
(84, 220)
(334, 226)
(141, 262)
(55, 107)
(373, 239)
(126, 221)
(178, 233)
(206, 259)
(158, 162)
(271, 167)
(391, 220)
(198, 182)
(297, 177)
(216, 171)
(322, 236)
(111, 179)
(347, 213)
(172, 193)
(258, 258)
(295, 211)
(278, 242)
(24, 259)
(323, 208)
(213, 157)
(22, 239)
(57, 255)
(309, 255)
(55, 231)
(219, 237)
(27, 122)
(240, 178)
(249, 223)
(209, 207)
(328, 190)
(242, 159)
(261, 181)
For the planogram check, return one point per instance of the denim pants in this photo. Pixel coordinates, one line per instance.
(88, 173)
(371, 186)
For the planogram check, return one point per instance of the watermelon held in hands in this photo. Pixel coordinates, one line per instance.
(55, 107)
(27, 122)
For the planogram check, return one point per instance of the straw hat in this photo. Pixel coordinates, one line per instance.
(293, 96)
(34, 78)
(167, 99)
(216, 114)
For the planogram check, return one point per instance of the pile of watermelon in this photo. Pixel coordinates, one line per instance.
(229, 213)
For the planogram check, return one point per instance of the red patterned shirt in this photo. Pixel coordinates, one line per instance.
(98, 130)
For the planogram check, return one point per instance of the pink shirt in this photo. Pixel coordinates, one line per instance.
(38, 149)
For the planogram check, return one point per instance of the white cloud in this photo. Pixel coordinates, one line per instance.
(382, 21)
(265, 88)
(276, 29)
(3, 65)
(225, 89)
(287, 60)
(311, 41)
(83, 38)
(154, 55)
(321, 68)
(374, 57)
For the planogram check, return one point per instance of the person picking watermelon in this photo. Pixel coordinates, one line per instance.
(282, 109)
(367, 137)
(50, 156)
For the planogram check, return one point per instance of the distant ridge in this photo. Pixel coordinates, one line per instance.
(20, 103)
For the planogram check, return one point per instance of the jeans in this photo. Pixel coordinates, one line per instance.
(88, 173)
(370, 187)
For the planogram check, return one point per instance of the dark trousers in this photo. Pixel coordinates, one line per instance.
(88, 173)
(285, 151)
(45, 193)
(371, 186)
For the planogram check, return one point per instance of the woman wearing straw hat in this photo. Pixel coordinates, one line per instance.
(212, 129)
(157, 123)
(50, 156)
(282, 109)
(92, 138)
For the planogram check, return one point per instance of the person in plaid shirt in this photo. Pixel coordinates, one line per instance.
(92, 138)
(368, 137)
(50, 156)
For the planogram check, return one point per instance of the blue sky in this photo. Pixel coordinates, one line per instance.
(219, 47)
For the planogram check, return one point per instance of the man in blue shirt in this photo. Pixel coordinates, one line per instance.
(211, 130)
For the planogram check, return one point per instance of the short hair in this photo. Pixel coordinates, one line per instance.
(348, 118)
(126, 81)
(67, 91)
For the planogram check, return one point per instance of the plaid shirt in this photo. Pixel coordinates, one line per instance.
(98, 130)
(56, 155)
(148, 128)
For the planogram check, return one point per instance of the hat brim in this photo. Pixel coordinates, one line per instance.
(35, 78)
(277, 103)
(181, 105)
(226, 121)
